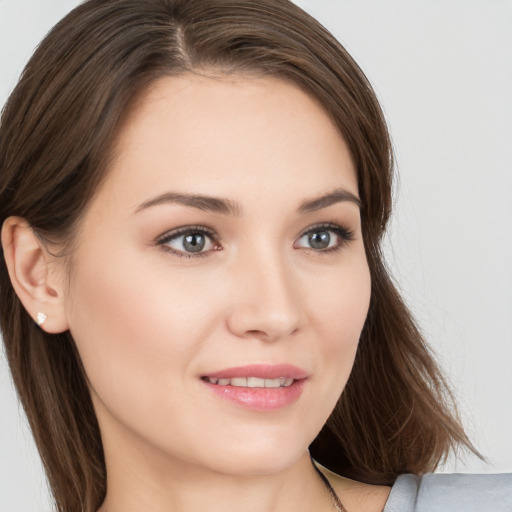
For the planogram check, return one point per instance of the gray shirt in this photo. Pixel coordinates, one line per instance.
(451, 493)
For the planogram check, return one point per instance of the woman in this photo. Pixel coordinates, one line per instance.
(193, 195)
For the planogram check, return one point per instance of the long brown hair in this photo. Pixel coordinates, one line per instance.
(56, 136)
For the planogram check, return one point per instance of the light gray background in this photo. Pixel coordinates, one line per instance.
(443, 71)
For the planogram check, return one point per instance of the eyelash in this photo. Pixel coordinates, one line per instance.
(187, 230)
(345, 235)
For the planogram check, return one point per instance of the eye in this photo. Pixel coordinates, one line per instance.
(189, 241)
(325, 237)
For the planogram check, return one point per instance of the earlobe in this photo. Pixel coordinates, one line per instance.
(33, 274)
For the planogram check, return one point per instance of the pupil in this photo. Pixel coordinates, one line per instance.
(194, 243)
(319, 240)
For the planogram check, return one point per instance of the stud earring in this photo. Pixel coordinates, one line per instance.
(41, 318)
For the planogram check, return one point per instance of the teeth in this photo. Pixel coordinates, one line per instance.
(274, 383)
(252, 382)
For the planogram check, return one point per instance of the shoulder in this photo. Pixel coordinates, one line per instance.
(451, 493)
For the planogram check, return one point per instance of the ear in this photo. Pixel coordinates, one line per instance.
(36, 275)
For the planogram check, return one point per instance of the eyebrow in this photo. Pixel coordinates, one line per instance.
(229, 207)
(201, 202)
(339, 195)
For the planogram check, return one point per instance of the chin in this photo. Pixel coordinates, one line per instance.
(263, 457)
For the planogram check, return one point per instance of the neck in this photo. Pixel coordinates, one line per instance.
(186, 488)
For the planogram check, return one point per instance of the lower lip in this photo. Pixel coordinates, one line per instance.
(260, 399)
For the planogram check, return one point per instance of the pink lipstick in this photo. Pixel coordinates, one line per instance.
(258, 387)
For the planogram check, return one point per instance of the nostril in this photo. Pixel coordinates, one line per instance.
(256, 333)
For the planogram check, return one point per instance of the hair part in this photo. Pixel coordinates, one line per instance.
(57, 138)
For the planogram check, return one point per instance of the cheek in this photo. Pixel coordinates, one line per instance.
(342, 300)
(130, 330)
(339, 314)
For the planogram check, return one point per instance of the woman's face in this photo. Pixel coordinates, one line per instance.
(222, 257)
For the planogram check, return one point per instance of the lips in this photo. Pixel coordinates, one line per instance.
(258, 387)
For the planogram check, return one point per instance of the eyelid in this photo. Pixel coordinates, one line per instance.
(174, 233)
(347, 233)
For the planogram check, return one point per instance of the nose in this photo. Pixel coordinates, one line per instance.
(265, 302)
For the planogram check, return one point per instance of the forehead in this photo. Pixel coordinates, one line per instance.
(224, 133)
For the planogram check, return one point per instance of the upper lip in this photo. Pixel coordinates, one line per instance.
(261, 371)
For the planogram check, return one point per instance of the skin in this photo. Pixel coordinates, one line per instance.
(150, 319)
